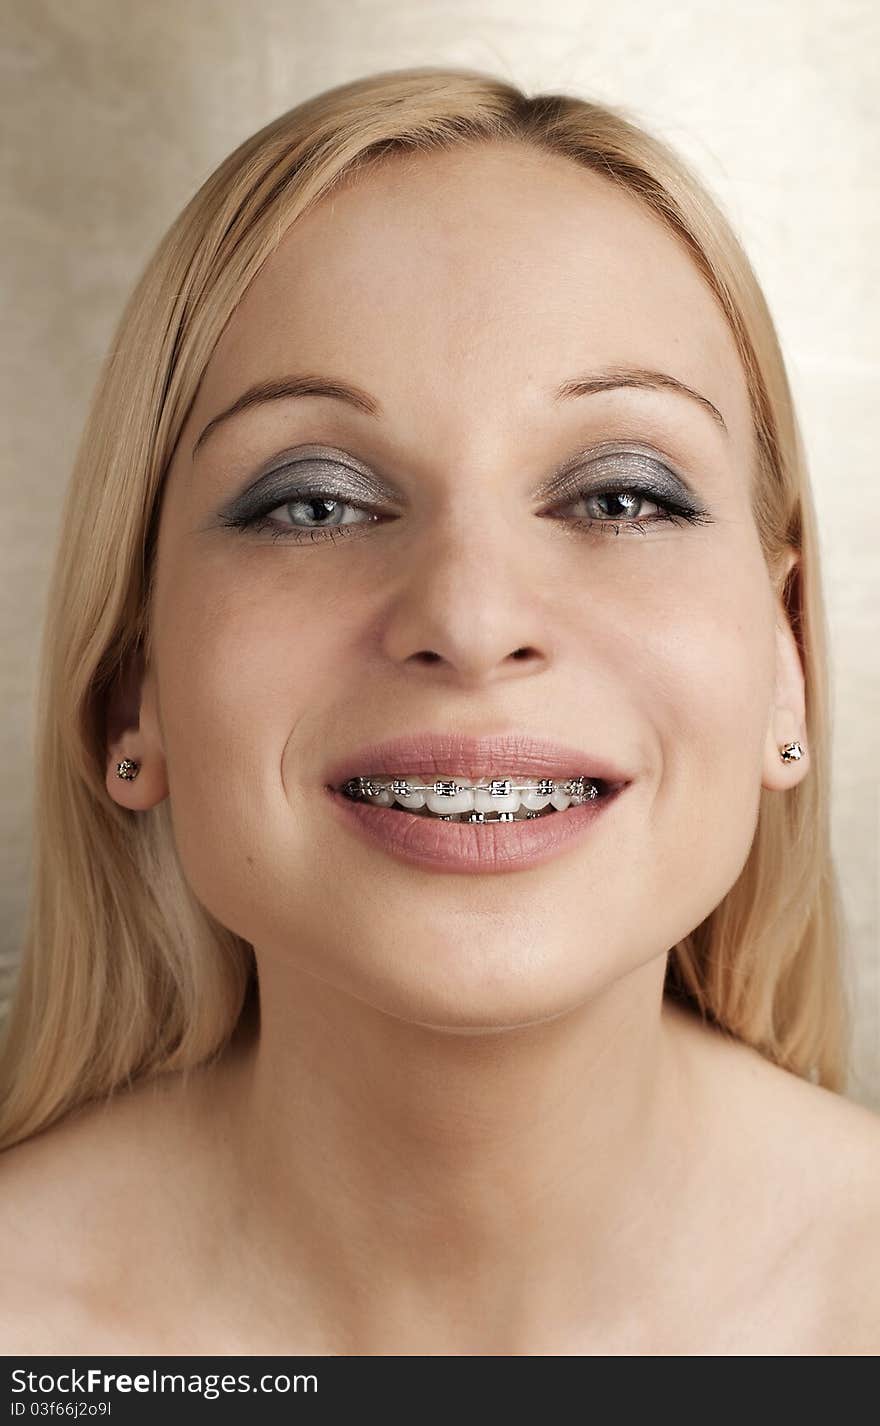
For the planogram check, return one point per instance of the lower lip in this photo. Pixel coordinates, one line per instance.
(473, 846)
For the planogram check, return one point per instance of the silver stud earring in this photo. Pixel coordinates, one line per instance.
(128, 769)
(791, 752)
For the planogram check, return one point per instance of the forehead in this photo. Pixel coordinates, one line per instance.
(492, 274)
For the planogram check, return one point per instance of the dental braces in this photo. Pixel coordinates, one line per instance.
(496, 787)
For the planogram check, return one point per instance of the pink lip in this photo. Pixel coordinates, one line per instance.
(429, 755)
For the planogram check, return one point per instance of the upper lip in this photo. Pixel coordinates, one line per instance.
(431, 755)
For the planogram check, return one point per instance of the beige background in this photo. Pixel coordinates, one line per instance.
(114, 111)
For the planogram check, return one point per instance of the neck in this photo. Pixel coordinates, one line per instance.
(489, 1187)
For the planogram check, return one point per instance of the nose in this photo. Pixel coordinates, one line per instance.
(468, 606)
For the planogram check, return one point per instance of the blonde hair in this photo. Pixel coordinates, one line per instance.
(124, 974)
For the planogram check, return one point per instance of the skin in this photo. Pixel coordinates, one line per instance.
(467, 1121)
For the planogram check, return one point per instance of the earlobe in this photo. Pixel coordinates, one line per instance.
(137, 783)
(786, 759)
(786, 754)
(136, 775)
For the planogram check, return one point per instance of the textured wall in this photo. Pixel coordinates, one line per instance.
(113, 112)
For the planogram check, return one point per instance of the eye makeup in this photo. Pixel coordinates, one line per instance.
(308, 470)
(625, 463)
(326, 478)
(323, 470)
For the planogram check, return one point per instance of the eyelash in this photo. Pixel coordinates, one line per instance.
(259, 520)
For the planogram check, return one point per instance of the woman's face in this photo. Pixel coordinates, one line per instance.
(460, 291)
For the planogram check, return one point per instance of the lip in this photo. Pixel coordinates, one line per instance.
(483, 847)
(430, 755)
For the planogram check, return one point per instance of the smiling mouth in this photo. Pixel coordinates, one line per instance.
(380, 793)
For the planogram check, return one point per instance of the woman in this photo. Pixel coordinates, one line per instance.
(450, 420)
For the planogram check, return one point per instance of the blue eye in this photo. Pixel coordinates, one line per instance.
(611, 521)
(319, 506)
(616, 504)
(629, 499)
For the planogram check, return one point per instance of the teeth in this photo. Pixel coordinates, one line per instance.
(451, 805)
(464, 798)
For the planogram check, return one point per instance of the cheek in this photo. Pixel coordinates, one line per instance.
(242, 674)
(702, 690)
(709, 673)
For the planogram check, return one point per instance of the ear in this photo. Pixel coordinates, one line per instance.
(787, 720)
(133, 731)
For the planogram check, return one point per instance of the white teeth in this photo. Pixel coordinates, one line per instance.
(412, 800)
(535, 801)
(461, 801)
(486, 801)
(384, 798)
(463, 796)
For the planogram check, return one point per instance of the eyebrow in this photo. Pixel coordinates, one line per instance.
(615, 377)
(292, 387)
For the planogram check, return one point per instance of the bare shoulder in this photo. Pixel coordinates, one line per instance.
(840, 1152)
(80, 1203)
(812, 1161)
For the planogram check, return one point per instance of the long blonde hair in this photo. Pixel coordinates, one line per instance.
(124, 974)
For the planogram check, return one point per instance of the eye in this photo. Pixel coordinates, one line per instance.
(622, 507)
(329, 513)
(320, 506)
(314, 498)
(621, 489)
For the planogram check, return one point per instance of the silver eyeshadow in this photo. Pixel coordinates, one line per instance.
(321, 471)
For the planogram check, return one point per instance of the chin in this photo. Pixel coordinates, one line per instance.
(493, 1029)
(481, 1004)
